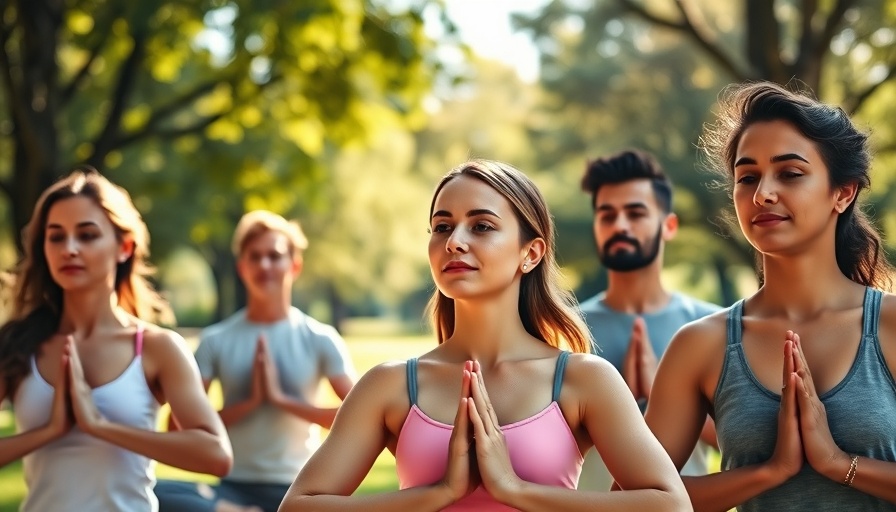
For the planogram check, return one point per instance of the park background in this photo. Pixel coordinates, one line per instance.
(344, 113)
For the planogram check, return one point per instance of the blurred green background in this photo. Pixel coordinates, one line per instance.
(343, 114)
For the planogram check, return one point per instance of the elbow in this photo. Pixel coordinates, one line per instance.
(221, 462)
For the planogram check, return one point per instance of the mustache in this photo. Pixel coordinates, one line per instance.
(621, 238)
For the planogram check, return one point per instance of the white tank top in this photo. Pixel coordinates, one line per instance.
(79, 471)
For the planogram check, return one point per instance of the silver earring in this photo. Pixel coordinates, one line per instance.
(525, 266)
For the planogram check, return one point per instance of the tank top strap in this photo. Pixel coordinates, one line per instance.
(871, 311)
(138, 341)
(735, 322)
(412, 380)
(559, 370)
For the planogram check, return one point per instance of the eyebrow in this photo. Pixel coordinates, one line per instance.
(471, 213)
(84, 224)
(779, 158)
(627, 206)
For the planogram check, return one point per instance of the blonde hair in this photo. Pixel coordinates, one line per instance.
(257, 222)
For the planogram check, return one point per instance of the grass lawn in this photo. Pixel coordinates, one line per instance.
(366, 352)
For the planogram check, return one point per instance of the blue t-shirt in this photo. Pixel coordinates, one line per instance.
(612, 331)
(271, 445)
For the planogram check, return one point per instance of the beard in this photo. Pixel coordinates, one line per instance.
(628, 260)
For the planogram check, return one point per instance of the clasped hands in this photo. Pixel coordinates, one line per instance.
(803, 430)
(477, 451)
(265, 377)
(640, 363)
(72, 399)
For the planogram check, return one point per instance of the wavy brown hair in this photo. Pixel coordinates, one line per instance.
(548, 311)
(37, 300)
(844, 149)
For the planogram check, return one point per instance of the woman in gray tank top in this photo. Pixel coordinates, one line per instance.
(798, 376)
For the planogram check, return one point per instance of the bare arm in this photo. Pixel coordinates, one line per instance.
(677, 413)
(322, 416)
(359, 434)
(201, 445)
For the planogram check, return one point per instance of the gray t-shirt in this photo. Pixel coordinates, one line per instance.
(271, 445)
(612, 331)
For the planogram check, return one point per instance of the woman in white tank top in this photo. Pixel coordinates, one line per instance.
(85, 370)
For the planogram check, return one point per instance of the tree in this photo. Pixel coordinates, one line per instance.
(623, 73)
(95, 80)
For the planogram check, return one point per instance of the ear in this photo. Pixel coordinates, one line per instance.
(125, 250)
(532, 254)
(845, 195)
(297, 264)
(670, 226)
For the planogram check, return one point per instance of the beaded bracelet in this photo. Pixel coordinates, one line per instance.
(851, 474)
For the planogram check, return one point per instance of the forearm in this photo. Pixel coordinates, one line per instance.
(192, 449)
(535, 497)
(15, 447)
(874, 477)
(719, 492)
(234, 413)
(428, 498)
(319, 415)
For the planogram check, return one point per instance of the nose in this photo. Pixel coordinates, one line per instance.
(456, 242)
(765, 193)
(71, 246)
(621, 224)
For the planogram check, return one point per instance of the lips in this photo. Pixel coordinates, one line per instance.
(71, 268)
(457, 266)
(766, 219)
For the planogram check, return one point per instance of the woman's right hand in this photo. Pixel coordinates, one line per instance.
(787, 459)
(61, 417)
(461, 477)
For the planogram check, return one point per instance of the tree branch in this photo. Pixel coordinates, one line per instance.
(650, 17)
(161, 113)
(854, 103)
(68, 91)
(830, 26)
(127, 77)
(687, 26)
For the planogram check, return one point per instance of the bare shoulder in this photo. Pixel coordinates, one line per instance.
(385, 383)
(707, 335)
(159, 342)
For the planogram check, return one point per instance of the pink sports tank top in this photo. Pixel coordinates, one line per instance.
(543, 449)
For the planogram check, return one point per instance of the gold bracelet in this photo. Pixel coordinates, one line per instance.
(851, 474)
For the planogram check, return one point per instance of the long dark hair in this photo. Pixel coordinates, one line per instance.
(37, 299)
(548, 311)
(844, 149)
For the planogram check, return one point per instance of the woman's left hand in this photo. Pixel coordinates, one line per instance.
(821, 451)
(492, 456)
(87, 416)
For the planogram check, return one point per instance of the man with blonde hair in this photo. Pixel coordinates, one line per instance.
(270, 359)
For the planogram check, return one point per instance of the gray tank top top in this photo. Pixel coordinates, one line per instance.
(861, 413)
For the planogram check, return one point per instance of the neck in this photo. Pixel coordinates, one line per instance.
(84, 312)
(266, 309)
(637, 292)
(488, 330)
(805, 285)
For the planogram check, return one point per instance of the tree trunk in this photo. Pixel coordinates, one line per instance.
(34, 106)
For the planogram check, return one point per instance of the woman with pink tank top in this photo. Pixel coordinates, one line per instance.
(85, 370)
(497, 416)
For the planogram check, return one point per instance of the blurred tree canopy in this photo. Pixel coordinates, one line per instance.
(203, 108)
(623, 73)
